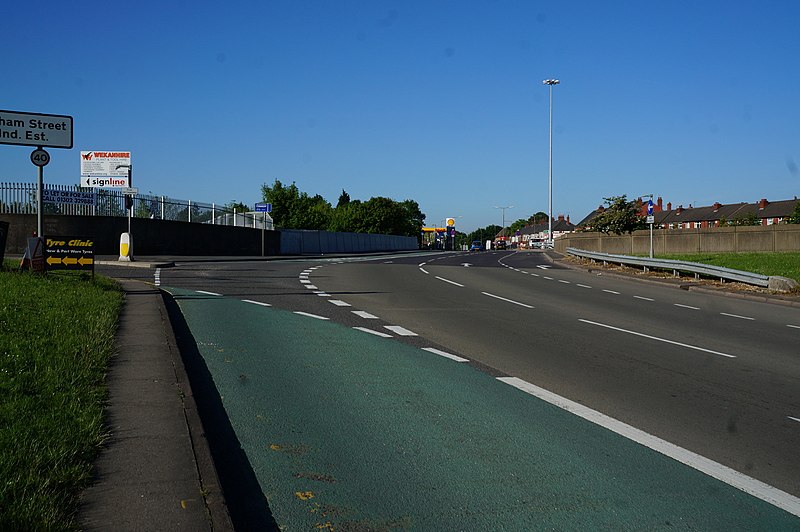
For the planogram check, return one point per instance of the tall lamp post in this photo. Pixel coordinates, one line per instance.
(504, 216)
(551, 82)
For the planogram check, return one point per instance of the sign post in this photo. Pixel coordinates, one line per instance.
(650, 220)
(39, 130)
(265, 208)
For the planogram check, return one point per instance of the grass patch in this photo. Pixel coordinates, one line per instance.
(785, 264)
(56, 339)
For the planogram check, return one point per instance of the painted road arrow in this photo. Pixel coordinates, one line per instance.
(466, 264)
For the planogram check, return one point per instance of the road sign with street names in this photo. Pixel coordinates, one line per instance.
(35, 129)
(69, 253)
(263, 207)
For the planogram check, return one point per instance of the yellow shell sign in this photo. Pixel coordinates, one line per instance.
(451, 222)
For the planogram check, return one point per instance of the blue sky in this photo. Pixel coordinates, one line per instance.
(437, 101)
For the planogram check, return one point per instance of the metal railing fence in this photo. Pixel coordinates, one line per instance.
(74, 200)
(676, 266)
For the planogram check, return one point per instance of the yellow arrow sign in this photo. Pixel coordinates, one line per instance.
(69, 261)
(83, 261)
(53, 260)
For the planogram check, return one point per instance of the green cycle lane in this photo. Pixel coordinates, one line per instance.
(348, 431)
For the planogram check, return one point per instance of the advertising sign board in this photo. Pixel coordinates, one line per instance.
(35, 129)
(98, 182)
(105, 163)
(68, 197)
(69, 253)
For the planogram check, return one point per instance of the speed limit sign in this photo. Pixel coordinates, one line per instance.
(39, 157)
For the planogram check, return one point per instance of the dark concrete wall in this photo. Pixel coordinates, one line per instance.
(150, 237)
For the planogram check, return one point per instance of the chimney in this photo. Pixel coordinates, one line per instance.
(762, 204)
(679, 210)
(568, 219)
(717, 205)
(660, 204)
(669, 206)
(560, 217)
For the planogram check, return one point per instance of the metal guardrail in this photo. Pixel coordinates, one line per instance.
(696, 268)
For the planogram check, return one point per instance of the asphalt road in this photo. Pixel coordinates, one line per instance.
(712, 375)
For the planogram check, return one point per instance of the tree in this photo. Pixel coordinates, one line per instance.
(795, 217)
(517, 226)
(292, 209)
(344, 199)
(621, 216)
(538, 218)
(238, 205)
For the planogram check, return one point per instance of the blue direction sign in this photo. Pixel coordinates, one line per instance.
(650, 208)
(263, 207)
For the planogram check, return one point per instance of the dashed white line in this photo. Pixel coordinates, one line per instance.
(754, 487)
(370, 331)
(563, 281)
(794, 418)
(611, 292)
(323, 294)
(364, 314)
(339, 303)
(208, 293)
(423, 270)
(449, 281)
(506, 300)
(794, 326)
(583, 285)
(686, 306)
(644, 298)
(157, 277)
(311, 287)
(548, 278)
(658, 339)
(310, 315)
(737, 316)
(400, 331)
(444, 354)
(257, 302)
(305, 281)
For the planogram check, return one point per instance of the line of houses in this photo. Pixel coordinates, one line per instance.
(762, 212)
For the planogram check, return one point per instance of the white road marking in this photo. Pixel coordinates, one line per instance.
(256, 302)
(794, 418)
(548, 278)
(444, 354)
(376, 333)
(563, 281)
(308, 271)
(535, 274)
(311, 287)
(737, 316)
(423, 270)
(157, 277)
(310, 315)
(506, 300)
(339, 303)
(794, 326)
(400, 331)
(611, 292)
(421, 264)
(659, 339)
(644, 298)
(208, 293)
(449, 281)
(686, 306)
(542, 266)
(305, 281)
(364, 314)
(747, 484)
(323, 294)
(583, 285)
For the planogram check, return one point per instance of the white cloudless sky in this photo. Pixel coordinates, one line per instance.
(440, 101)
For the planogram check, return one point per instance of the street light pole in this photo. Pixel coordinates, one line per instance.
(504, 216)
(551, 82)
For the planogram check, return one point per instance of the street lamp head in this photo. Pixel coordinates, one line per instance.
(550, 82)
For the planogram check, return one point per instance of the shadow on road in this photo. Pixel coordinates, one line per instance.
(247, 506)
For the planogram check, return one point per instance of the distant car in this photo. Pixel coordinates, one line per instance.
(476, 246)
(500, 244)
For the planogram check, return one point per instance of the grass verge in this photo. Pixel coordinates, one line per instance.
(56, 339)
(783, 264)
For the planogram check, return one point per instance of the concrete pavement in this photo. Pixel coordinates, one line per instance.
(156, 471)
